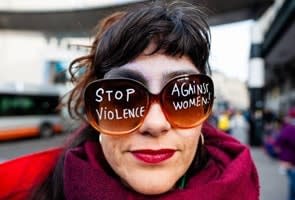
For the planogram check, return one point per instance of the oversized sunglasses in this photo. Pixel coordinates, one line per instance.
(119, 106)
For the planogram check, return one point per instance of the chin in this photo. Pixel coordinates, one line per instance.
(152, 188)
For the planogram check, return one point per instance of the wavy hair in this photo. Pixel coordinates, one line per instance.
(176, 29)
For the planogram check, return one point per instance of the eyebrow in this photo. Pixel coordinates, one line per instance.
(138, 76)
(170, 75)
(126, 73)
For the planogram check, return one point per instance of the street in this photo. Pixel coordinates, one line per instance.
(13, 149)
(273, 184)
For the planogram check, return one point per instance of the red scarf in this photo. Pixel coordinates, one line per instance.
(229, 175)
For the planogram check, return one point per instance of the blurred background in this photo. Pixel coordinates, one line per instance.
(252, 60)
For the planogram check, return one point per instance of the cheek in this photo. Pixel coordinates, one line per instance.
(190, 139)
(112, 149)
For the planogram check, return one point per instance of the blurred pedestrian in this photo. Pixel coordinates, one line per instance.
(269, 118)
(285, 144)
(269, 139)
(223, 122)
(239, 127)
(213, 119)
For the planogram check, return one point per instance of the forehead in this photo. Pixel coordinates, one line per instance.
(156, 67)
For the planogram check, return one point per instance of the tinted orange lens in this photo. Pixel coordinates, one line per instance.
(187, 101)
(115, 106)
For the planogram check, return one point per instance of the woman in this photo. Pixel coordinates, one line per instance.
(239, 127)
(145, 97)
(285, 149)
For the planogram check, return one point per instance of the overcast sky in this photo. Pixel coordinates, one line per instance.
(230, 49)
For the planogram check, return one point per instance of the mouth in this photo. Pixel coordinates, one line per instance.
(153, 156)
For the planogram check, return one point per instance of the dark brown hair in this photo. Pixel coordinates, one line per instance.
(176, 29)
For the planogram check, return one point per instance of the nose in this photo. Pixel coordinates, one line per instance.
(155, 122)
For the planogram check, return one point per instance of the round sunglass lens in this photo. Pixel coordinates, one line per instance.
(115, 106)
(188, 100)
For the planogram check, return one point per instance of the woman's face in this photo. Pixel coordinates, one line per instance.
(151, 159)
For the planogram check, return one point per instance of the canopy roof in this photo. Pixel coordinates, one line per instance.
(80, 21)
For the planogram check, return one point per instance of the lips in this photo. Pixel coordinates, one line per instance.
(153, 156)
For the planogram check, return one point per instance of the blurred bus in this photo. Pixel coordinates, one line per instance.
(29, 110)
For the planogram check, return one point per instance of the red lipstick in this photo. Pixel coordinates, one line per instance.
(153, 156)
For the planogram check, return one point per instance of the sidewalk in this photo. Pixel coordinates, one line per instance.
(274, 186)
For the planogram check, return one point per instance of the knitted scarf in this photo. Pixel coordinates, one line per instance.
(229, 175)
